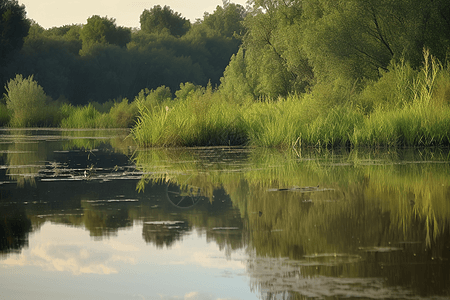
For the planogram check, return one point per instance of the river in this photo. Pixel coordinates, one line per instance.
(85, 214)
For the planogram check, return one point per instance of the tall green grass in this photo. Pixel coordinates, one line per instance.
(120, 115)
(202, 118)
(405, 107)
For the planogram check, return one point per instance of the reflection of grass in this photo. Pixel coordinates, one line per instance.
(23, 160)
(368, 187)
(92, 139)
(28, 149)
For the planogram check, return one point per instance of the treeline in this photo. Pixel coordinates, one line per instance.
(100, 61)
(316, 72)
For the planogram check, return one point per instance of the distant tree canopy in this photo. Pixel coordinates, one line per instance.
(271, 48)
(99, 60)
(103, 31)
(13, 28)
(158, 20)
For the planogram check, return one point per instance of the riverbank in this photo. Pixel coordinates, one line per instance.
(404, 108)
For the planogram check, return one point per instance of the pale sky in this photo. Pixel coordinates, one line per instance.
(51, 13)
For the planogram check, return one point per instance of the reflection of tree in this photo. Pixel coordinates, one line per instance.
(378, 223)
(394, 216)
(14, 229)
(373, 207)
(164, 233)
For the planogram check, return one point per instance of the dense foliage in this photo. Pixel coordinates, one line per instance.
(159, 20)
(317, 72)
(13, 28)
(293, 46)
(100, 61)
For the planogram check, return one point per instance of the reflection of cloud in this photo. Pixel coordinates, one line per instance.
(190, 296)
(207, 258)
(118, 246)
(68, 258)
(57, 248)
(69, 253)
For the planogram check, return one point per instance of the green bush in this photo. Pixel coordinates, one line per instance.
(393, 90)
(275, 123)
(123, 114)
(29, 105)
(203, 118)
(186, 89)
(81, 117)
(412, 126)
(120, 115)
(152, 99)
(4, 115)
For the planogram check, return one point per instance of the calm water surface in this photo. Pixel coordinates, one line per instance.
(87, 215)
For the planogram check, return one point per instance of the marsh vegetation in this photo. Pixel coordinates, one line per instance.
(272, 74)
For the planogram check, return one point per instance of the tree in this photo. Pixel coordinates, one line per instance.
(103, 31)
(226, 20)
(272, 59)
(236, 80)
(13, 28)
(158, 20)
(293, 45)
(357, 38)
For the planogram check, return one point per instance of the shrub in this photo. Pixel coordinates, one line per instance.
(81, 117)
(393, 90)
(203, 118)
(122, 114)
(4, 115)
(151, 99)
(186, 89)
(28, 103)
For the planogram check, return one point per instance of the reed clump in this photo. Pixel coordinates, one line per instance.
(202, 117)
(119, 115)
(418, 113)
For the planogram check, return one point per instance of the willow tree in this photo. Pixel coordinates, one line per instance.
(273, 60)
(292, 45)
(358, 38)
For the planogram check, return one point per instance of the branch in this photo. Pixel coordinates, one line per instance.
(380, 34)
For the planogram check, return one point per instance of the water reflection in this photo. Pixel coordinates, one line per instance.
(316, 224)
(353, 224)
